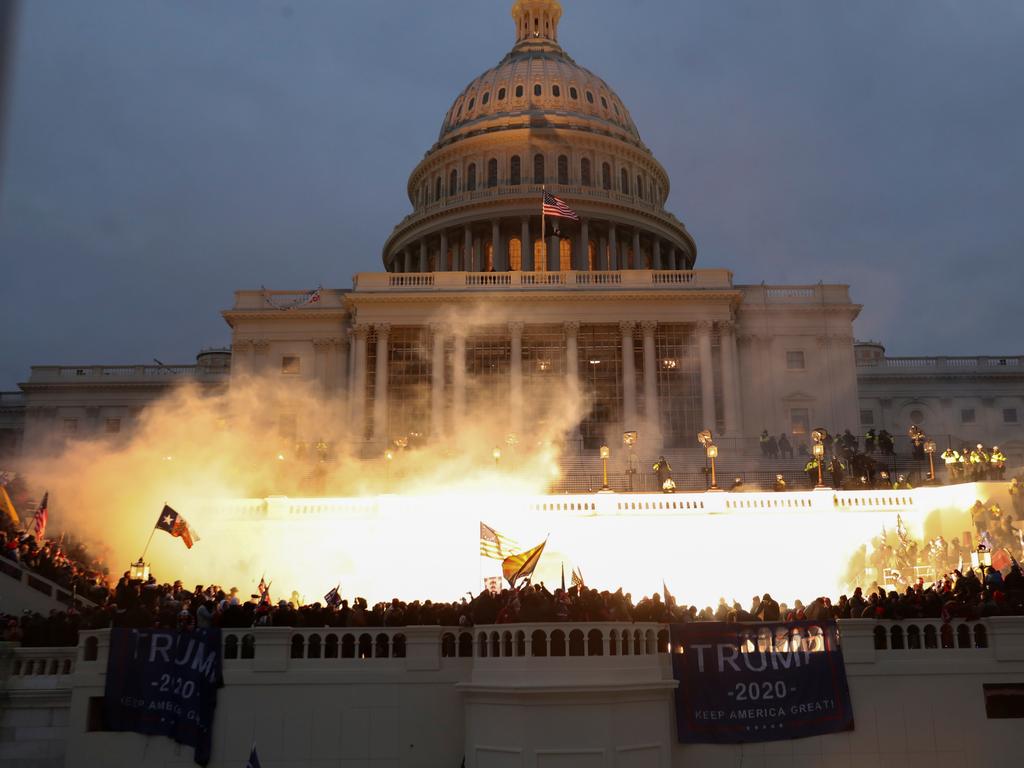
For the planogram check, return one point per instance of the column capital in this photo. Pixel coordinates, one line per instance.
(571, 328)
(322, 345)
(626, 327)
(242, 345)
(382, 329)
(704, 326)
(726, 327)
(438, 329)
(649, 326)
(515, 327)
(360, 330)
(337, 342)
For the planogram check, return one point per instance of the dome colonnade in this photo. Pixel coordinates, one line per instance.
(538, 120)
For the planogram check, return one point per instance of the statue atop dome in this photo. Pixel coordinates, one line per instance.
(536, 20)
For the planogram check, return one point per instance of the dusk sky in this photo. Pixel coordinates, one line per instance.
(161, 155)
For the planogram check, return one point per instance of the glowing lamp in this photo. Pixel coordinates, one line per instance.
(389, 454)
(712, 451)
(605, 453)
(819, 455)
(819, 451)
(139, 570)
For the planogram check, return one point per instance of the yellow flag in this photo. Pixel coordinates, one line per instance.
(520, 566)
(8, 506)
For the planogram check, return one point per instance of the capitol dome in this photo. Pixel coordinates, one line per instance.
(538, 120)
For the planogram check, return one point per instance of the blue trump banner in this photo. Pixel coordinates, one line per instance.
(758, 682)
(161, 682)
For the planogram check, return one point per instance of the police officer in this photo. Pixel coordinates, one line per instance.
(998, 463)
(951, 457)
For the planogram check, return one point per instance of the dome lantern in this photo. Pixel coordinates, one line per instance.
(536, 20)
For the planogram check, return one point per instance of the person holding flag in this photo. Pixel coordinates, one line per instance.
(41, 517)
(333, 598)
(522, 566)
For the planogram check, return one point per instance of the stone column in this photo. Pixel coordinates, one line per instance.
(467, 250)
(459, 378)
(638, 260)
(357, 393)
(442, 258)
(407, 258)
(424, 258)
(652, 420)
(730, 379)
(438, 332)
(321, 349)
(479, 254)
(628, 376)
(554, 261)
(656, 253)
(339, 349)
(380, 389)
(515, 371)
(613, 249)
(496, 249)
(602, 253)
(526, 246)
(572, 373)
(583, 257)
(707, 381)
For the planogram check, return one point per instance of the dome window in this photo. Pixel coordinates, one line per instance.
(519, 91)
(590, 97)
(515, 175)
(538, 89)
(471, 103)
(604, 103)
(573, 93)
(563, 169)
(556, 91)
(538, 169)
(501, 94)
(485, 98)
(616, 109)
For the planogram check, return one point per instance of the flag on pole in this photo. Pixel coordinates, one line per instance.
(577, 578)
(521, 566)
(901, 531)
(554, 206)
(666, 595)
(263, 588)
(333, 598)
(41, 517)
(176, 525)
(563, 576)
(8, 506)
(494, 545)
(254, 759)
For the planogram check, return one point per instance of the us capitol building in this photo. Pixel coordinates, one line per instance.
(477, 307)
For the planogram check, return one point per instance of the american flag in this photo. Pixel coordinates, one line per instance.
(577, 578)
(41, 516)
(496, 545)
(554, 206)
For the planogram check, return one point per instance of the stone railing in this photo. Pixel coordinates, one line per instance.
(795, 294)
(286, 301)
(40, 584)
(633, 279)
(33, 663)
(150, 373)
(953, 364)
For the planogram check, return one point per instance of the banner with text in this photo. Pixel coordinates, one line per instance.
(161, 682)
(758, 682)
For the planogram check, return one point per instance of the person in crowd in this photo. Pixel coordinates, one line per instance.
(997, 462)
(663, 471)
(737, 484)
(780, 484)
(837, 470)
(763, 442)
(902, 484)
(951, 458)
(785, 447)
(1016, 500)
(870, 438)
(773, 448)
(886, 443)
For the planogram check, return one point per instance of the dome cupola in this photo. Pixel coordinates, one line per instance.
(536, 20)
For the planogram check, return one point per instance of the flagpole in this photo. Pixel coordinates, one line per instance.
(145, 549)
(543, 233)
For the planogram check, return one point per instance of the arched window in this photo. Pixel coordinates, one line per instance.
(453, 183)
(471, 178)
(625, 182)
(519, 91)
(573, 93)
(565, 254)
(501, 94)
(515, 254)
(515, 175)
(540, 256)
(485, 98)
(590, 97)
(640, 187)
(563, 169)
(585, 179)
(538, 169)
(492, 172)
(538, 89)
(604, 103)
(437, 189)
(472, 102)
(606, 176)
(556, 91)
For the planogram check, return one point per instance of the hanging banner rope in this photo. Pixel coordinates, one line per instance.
(312, 297)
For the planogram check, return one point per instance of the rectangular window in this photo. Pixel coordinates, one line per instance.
(70, 426)
(867, 418)
(1003, 700)
(1010, 415)
(113, 426)
(967, 416)
(795, 360)
(799, 421)
(290, 364)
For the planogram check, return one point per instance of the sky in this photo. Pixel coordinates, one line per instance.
(161, 154)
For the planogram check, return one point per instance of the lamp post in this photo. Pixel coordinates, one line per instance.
(712, 451)
(139, 570)
(819, 435)
(629, 440)
(705, 439)
(929, 448)
(605, 453)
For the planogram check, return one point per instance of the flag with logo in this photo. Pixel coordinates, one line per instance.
(522, 566)
(176, 525)
(333, 598)
(494, 545)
